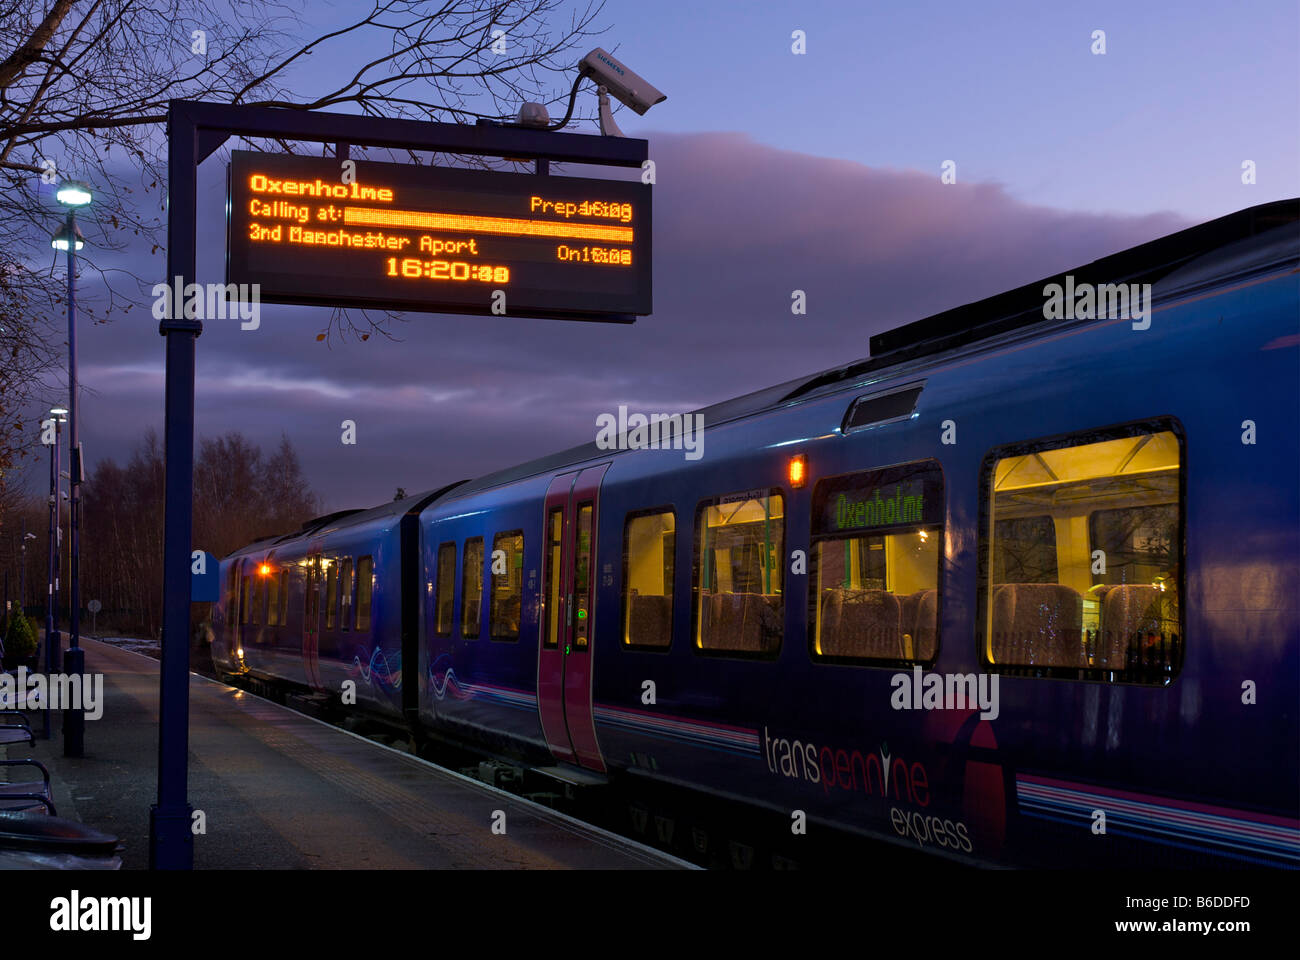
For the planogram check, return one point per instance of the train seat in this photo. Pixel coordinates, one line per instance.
(650, 620)
(908, 607)
(1038, 624)
(1134, 630)
(741, 621)
(861, 623)
(505, 617)
(925, 631)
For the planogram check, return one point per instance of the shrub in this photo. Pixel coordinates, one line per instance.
(20, 637)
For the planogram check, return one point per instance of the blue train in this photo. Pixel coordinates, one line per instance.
(1019, 589)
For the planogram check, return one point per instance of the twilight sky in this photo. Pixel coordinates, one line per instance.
(775, 172)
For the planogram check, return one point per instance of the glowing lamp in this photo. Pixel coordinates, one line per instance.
(73, 193)
(60, 239)
(264, 569)
(798, 471)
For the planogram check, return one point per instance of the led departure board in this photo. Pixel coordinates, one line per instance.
(437, 239)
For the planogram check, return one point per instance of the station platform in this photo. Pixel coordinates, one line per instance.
(280, 790)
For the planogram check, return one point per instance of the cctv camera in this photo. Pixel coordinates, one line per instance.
(621, 82)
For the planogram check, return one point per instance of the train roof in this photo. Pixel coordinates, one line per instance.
(341, 519)
(1185, 252)
(978, 321)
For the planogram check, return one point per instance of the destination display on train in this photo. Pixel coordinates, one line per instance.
(906, 496)
(437, 239)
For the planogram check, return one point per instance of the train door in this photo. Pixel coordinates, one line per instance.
(235, 600)
(564, 662)
(311, 622)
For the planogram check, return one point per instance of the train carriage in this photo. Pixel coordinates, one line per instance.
(1019, 589)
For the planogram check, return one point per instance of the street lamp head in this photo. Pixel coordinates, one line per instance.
(59, 414)
(60, 239)
(73, 193)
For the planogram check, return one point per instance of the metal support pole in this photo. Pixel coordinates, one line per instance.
(52, 643)
(74, 661)
(194, 131)
(171, 843)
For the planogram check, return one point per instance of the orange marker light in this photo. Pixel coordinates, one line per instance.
(798, 470)
(264, 569)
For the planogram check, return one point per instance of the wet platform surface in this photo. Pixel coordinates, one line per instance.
(280, 790)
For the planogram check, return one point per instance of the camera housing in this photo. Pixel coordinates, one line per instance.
(622, 83)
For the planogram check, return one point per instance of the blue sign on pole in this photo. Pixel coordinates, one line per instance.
(204, 577)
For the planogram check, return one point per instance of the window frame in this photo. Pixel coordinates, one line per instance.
(552, 567)
(669, 508)
(696, 556)
(984, 556)
(331, 571)
(283, 575)
(437, 587)
(273, 598)
(492, 588)
(574, 643)
(370, 600)
(311, 594)
(814, 599)
(346, 590)
(464, 588)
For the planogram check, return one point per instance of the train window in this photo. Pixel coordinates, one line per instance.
(877, 550)
(648, 540)
(365, 589)
(445, 597)
(507, 585)
(739, 603)
(273, 601)
(345, 593)
(1106, 607)
(891, 406)
(254, 594)
(582, 577)
(243, 601)
(311, 597)
(1028, 550)
(331, 593)
(257, 596)
(551, 588)
(471, 590)
(232, 595)
(283, 577)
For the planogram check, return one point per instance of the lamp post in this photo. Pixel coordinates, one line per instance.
(22, 575)
(52, 642)
(73, 194)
